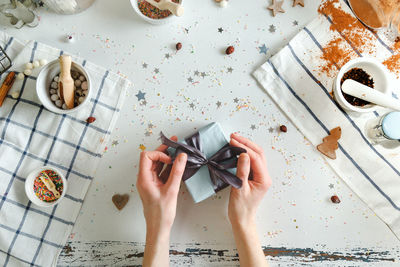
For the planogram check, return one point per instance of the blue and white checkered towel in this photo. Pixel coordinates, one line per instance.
(293, 79)
(30, 137)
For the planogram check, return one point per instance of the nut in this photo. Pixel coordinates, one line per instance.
(178, 46)
(230, 50)
(90, 119)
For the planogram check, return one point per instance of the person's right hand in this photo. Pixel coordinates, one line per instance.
(243, 202)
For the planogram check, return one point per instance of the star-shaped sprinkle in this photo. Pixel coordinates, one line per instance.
(271, 129)
(218, 104)
(144, 65)
(114, 143)
(140, 95)
(196, 73)
(190, 79)
(276, 7)
(203, 74)
(156, 70)
(236, 100)
(253, 127)
(263, 49)
(192, 105)
(295, 23)
(167, 56)
(230, 69)
(298, 2)
(142, 147)
(331, 186)
(272, 28)
(220, 30)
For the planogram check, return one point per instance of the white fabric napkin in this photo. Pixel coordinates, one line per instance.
(31, 137)
(293, 79)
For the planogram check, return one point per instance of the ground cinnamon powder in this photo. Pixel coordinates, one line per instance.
(338, 51)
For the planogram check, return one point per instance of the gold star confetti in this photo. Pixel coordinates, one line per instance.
(142, 147)
(276, 7)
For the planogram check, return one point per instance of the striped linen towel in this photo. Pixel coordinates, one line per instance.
(294, 80)
(31, 137)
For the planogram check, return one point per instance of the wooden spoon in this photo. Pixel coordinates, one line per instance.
(49, 184)
(175, 8)
(66, 83)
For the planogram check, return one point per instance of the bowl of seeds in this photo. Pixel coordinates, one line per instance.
(48, 88)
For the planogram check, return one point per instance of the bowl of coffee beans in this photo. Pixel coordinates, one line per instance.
(366, 71)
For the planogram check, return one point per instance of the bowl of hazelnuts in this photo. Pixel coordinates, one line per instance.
(63, 86)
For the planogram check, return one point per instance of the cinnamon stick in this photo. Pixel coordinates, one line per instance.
(6, 86)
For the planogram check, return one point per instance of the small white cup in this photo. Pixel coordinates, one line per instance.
(31, 194)
(166, 20)
(378, 73)
(45, 78)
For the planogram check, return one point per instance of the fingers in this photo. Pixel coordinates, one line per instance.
(257, 160)
(247, 143)
(177, 170)
(148, 158)
(243, 167)
(164, 148)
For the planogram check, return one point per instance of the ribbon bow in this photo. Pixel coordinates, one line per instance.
(218, 165)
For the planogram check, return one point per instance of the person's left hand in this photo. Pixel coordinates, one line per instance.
(159, 199)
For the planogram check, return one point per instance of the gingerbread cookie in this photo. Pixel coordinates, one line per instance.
(330, 143)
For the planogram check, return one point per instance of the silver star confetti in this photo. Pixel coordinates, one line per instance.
(236, 100)
(230, 69)
(190, 79)
(156, 70)
(218, 104)
(144, 65)
(272, 28)
(167, 56)
(253, 127)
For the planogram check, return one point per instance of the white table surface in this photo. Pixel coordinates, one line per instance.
(296, 213)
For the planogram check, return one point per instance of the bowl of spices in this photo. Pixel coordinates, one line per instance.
(49, 91)
(152, 14)
(45, 186)
(366, 71)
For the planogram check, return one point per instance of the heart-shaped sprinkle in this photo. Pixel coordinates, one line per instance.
(120, 200)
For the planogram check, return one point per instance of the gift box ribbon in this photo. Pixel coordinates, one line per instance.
(218, 164)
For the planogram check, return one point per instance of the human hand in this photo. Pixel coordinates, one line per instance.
(243, 202)
(159, 199)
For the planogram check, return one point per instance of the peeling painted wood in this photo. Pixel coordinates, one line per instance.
(118, 253)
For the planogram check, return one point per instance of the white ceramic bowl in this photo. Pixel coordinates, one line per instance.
(46, 76)
(375, 69)
(29, 187)
(166, 20)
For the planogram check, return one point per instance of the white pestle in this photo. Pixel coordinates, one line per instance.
(369, 94)
(175, 8)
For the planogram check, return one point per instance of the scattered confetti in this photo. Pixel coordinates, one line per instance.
(140, 95)
(220, 30)
(272, 28)
(263, 49)
(142, 147)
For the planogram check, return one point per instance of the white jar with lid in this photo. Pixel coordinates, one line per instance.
(384, 128)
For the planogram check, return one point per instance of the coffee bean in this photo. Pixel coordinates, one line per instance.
(335, 199)
(90, 119)
(230, 50)
(283, 128)
(178, 46)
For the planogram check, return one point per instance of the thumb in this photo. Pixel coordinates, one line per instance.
(177, 170)
(243, 167)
